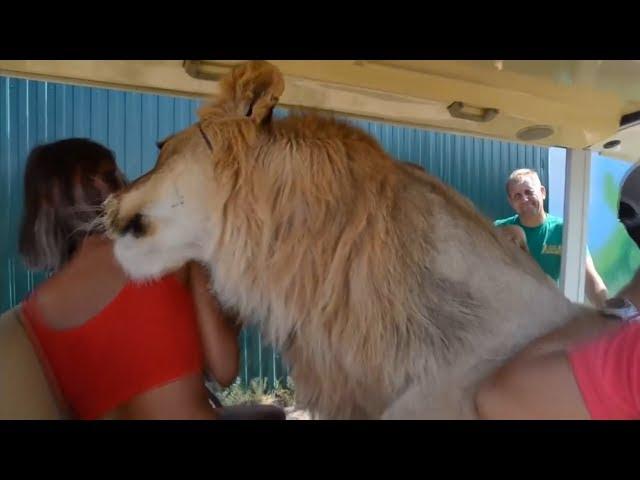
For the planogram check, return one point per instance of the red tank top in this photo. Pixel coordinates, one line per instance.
(146, 337)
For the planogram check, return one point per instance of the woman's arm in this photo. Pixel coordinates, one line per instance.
(595, 288)
(219, 334)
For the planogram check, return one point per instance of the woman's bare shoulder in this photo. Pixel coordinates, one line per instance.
(82, 287)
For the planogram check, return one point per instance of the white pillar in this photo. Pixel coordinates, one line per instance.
(576, 206)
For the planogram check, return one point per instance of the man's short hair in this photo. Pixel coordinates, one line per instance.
(516, 175)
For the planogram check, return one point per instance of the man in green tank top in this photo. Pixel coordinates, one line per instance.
(544, 232)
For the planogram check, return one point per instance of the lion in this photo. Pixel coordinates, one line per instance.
(387, 292)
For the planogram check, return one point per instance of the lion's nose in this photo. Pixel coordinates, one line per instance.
(135, 226)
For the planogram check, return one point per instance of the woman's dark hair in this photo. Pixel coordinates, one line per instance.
(65, 184)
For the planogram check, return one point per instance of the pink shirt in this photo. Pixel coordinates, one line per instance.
(607, 371)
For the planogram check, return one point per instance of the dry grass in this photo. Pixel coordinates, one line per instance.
(258, 393)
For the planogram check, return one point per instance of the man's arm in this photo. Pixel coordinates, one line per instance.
(595, 288)
(632, 290)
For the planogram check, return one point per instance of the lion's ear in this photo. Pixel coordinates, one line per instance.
(251, 89)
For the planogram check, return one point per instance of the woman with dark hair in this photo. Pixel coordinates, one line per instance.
(112, 348)
(65, 184)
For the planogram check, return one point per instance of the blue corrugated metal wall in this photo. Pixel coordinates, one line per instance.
(476, 167)
(33, 112)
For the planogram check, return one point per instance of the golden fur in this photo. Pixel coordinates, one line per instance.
(388, 294)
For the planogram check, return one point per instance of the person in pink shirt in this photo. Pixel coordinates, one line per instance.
(592, 374)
